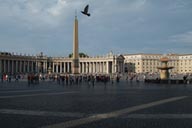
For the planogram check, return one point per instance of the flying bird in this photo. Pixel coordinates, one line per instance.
(85, 12)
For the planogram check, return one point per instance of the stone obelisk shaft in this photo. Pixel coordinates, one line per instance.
(75, 48)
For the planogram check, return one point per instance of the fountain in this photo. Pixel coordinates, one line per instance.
(164, 69)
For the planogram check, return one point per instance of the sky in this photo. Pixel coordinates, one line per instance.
(120, 26)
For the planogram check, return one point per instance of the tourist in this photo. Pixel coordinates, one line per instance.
(9, 78)
(93, 80)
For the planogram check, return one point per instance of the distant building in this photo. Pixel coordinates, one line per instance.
(185, 63)
(143, 63)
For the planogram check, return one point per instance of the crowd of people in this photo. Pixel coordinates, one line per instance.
(9, 77)
(64, 79)
(90, 79)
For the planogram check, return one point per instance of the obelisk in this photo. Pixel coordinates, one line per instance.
(75, 67)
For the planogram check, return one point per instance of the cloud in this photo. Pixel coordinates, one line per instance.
(53, 13)
(36, 13)
(183, 38)
(179, 5)
(57, 9)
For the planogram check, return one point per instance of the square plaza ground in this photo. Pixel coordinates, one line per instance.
(123, 104)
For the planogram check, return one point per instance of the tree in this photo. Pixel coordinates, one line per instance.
(81, 54)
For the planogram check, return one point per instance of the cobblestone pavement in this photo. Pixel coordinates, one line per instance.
(118, 105)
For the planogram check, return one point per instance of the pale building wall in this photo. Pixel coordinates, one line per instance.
(142, 63)
(185, 63)
(150, 62)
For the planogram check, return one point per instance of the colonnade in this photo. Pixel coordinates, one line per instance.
(60, 67)
(94, 67)
(84, 67)
(19, 64)
(22, 66)
(87, 67)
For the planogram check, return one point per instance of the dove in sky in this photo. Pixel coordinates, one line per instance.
(85, 11)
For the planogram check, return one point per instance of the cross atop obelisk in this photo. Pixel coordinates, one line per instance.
(75, 68)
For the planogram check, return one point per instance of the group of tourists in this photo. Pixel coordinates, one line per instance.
(33, 78)
(8, 77)
(90, 79)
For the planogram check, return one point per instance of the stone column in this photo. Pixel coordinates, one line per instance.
(45, 71)
(32, 66)
(80, 67)
(57, 67)
(120, 66)
(89, 67)
(104, 67)
(64, 67)
(37, 67)
(123, 70)
(61, 67)
(101, 64)
(24, 66)
(42, 67)
(115, 66)
(0, 66)
(100, 67)
(68, 70)
(84, 63)
(21, 66)
(4, 66)
(28, 67)
(92, 67)
(53, 67)
(8, 67)
(12, 66)
(97, 67)
(93, 63)
(83, 67)
(107, 67)
(18, 66)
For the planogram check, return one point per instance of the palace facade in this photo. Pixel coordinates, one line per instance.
(142, 63)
